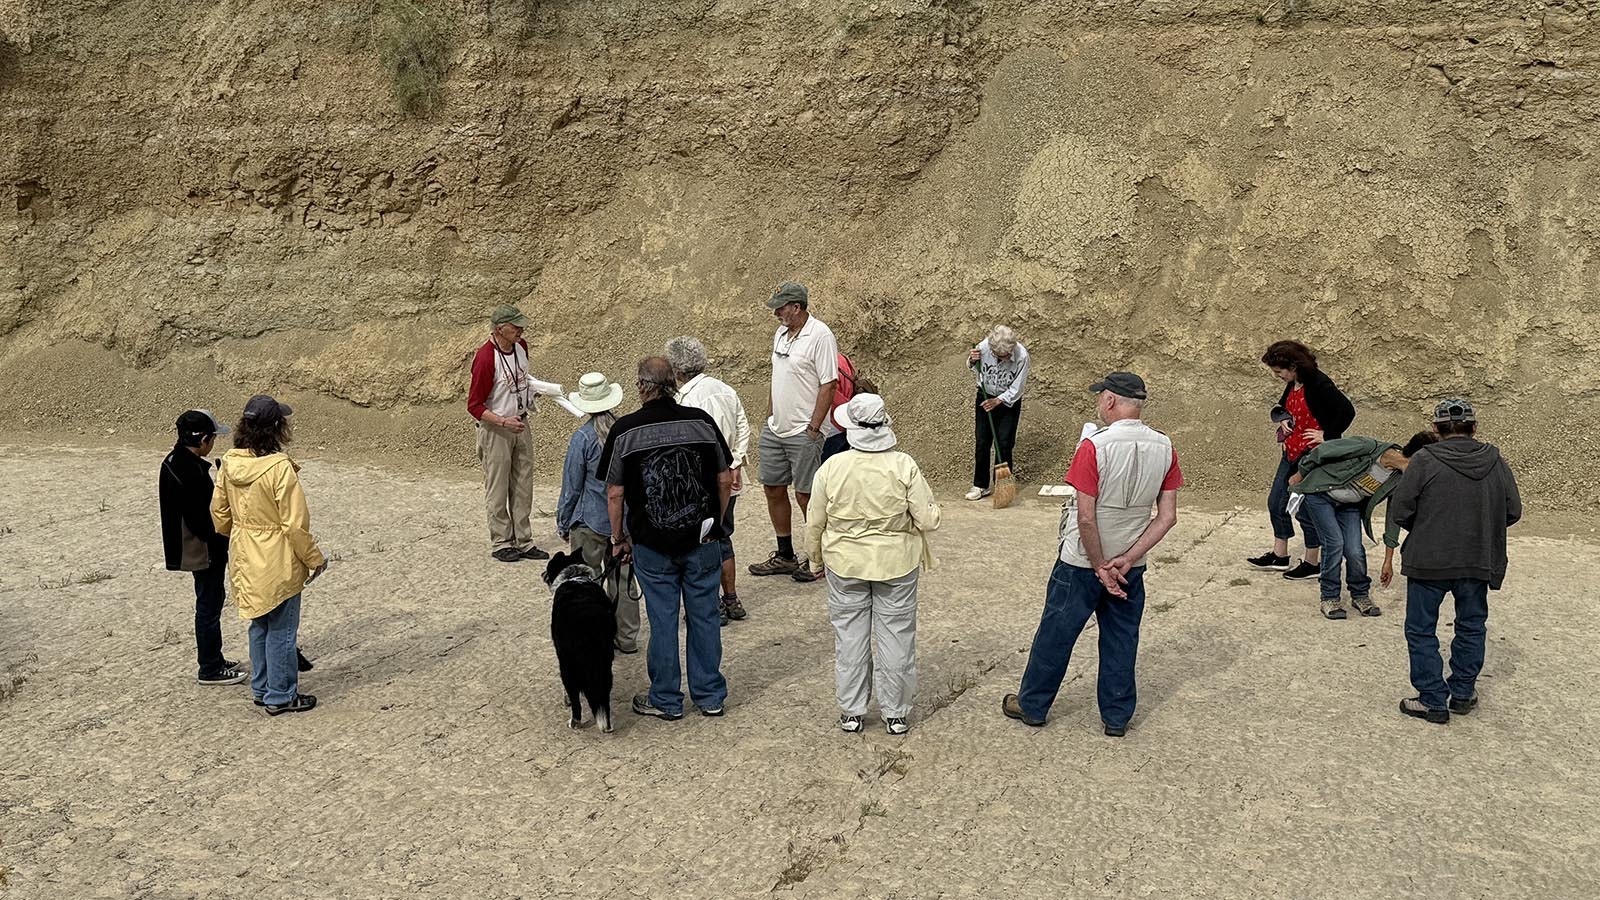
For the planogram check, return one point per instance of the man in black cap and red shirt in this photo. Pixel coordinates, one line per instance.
(191, 541)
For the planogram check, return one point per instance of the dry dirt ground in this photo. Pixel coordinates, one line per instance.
(1267, 759)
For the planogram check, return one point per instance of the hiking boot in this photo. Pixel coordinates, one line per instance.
(1365, 606)
(978, 493)
(1114, 730)
(732, 608)
(1013, 710)
(851, 724)
(896, 726)
(1303, 572)
(1270, 560)
(507, 554)
(229, 674)
(805, 574)
(534, 553)
(776, 564)
(641, 706)
(300, 703)
(1334, 609)
(1461, 706)
(1412, 706)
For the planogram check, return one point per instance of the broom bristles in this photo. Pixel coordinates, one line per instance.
(1005, 487)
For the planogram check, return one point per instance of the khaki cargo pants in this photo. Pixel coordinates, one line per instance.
(507, 460)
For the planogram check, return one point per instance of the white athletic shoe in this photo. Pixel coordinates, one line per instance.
(978, 493)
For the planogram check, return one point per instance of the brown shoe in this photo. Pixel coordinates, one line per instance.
(805, 574)
(1013, 710)
(776, 564)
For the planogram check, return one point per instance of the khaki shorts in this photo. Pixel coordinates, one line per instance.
(792, 460)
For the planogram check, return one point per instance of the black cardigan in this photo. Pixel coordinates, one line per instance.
(1333, 410)
(185, 490)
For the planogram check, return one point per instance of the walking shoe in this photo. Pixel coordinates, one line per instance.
(641, 705)
(711, 711)
(1412, 706)
(258, 701)
(1365, 606)
(978, 493)
(1334, 609)
(851, 724)
(805, 574)
(1270, 560)
(1461, 706)
(776, 564)
(300, 703)
(1303, 571)
(1114, 730)
(534, 553)
(1013, 710)
(732, 608)
(229, 675)
(896, 726)
(722, 618)
(507, 554)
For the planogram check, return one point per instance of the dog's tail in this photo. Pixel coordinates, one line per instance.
(602, 717)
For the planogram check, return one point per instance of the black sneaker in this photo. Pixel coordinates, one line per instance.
(1412, 706)
(1303, 572)
(1460, 706)
(1013, 710)
(1270, 560)
(230, 675)
(732, 608)
(641, 706)
(711, 711)
(507, 554)
(1114, 730)
(534, 553)
(722, 618)
(300, 703)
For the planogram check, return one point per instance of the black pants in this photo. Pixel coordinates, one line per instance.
(210, 593)
(1005, 431)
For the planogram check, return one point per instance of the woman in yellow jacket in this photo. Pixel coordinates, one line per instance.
(259, 505)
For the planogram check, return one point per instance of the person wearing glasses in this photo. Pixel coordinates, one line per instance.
(1457, 498)
(500, 398)
(1001, 364)
(805, 373)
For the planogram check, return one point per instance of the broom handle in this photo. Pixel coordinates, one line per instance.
(994, 436)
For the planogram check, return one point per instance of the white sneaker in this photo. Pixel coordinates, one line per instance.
(978, 493)
(850, 724)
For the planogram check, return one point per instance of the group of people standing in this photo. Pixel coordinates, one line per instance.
(648, 498)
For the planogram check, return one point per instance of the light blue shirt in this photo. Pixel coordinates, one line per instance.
(583, 491)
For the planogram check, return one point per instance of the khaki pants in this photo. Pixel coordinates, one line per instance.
(618, 582)
(874, 640)
(507, 484)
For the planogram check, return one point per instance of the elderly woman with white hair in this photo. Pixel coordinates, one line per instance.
(1001, 364)
(870, 515)
(582, 518)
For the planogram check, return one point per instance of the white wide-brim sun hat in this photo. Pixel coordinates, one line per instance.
(867, 425)
(595, 394)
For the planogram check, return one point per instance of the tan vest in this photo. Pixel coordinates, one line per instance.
(1133, 459)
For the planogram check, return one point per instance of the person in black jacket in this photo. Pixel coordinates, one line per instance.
(1457, 498)
(191, 541)
(1311, 410)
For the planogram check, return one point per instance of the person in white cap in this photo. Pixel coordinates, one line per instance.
(871, 512)
(581, 516)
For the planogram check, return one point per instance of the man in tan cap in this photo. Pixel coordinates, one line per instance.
(500, 398)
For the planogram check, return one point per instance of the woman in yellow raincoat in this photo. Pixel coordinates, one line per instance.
(259, 505)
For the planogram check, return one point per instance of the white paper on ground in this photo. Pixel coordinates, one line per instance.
(1057, 490)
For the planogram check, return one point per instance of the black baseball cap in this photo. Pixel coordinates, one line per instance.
(264, 410)
(200, 423)
(1123, 384)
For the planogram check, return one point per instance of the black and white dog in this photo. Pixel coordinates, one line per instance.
(583, 626)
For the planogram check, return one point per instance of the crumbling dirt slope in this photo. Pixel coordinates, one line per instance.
(209, 199)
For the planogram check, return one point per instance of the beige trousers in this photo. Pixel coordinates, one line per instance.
(618, 582)
(507, 460)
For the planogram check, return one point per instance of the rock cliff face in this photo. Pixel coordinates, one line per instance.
(212, 198)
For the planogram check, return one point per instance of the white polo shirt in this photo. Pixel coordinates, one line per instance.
(800, 367)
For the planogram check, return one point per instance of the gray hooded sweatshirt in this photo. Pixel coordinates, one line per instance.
(1457, 498)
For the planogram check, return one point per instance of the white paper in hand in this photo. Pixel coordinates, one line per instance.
(566, 404)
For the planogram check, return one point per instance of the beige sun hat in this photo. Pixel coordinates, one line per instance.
(595, 394)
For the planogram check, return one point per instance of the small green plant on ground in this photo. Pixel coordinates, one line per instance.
(1239, 582)
(412, 46)
(94, 577)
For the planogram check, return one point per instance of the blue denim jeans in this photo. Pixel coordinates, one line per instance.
(1278, 508)
(274, 665)
(1075, 594)
(1339, 527)
(1423, 599)
(694, 579)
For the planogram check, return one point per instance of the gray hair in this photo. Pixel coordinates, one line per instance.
(602, 424)
(1002, 340)
(687, 356)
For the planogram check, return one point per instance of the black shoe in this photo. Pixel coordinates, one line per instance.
(1270, 560)
(723, 620)
(1412, 706)
(1303, 571)
(712, 711)
(1013, 710)
(303, 664)
(1115, 730)
(641, 706)
(629, 651)
(534, 553)
(300, 703)
(1461, 707)
(507, 554)
(230, 675)
(805, 574)
(732, 608)
(258, 701)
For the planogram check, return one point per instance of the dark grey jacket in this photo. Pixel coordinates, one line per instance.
(1457, 498)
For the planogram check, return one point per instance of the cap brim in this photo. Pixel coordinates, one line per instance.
(222, 429)
(1098, 386)
(285, 409)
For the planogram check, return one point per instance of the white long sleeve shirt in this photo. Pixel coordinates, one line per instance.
(1003, 378)
(723, 404)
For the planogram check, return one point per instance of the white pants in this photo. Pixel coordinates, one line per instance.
(874, 638)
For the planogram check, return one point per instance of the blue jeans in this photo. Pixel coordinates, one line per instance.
(694, 578)
(1278, 508)
(274, 665)
(1466, 649)
(1074, 594)
(1339, 526)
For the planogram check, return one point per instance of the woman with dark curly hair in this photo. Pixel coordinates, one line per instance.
(259, 505)
(1311, 410)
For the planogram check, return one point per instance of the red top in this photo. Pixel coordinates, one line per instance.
(1296, 444)
(483, 375)
(1084, 473)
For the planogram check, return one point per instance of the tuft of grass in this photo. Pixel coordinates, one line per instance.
(94, 577)
(1168, 560)
(104, 507)
(874, 808)
(413, 47)
(1239, 582)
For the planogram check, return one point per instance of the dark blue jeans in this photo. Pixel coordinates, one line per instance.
(834, 445)
(694, 579)
(210, 593)
(1075, 594)
(1423, 599)
(1278, 508)
(1339, 527)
